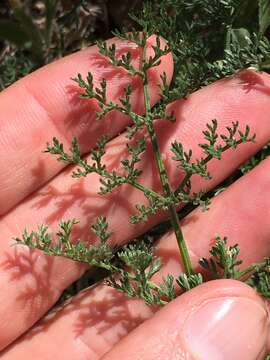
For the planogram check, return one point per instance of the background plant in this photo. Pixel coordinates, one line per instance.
(35, 32)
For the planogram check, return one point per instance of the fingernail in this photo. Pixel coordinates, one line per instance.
(228, 328)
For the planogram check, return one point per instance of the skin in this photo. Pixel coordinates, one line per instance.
(100, 323)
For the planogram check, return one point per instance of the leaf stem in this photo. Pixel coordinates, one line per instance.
(250, 270)
(137, 185)
(146, 190)
(163, 175)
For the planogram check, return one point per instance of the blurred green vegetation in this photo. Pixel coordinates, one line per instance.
(34, 33)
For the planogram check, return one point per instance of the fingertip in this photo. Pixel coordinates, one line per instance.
(222, 319)
(212, 327)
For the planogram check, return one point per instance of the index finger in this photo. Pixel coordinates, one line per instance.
(46, 103)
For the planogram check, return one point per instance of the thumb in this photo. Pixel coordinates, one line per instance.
(221, 319)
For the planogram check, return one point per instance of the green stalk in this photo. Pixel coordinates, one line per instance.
(135, 184)
(250, 270)
(145, 190)
(164, 176)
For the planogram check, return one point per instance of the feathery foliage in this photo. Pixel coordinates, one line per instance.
(224, 263)
(199, 60)
(133, 267)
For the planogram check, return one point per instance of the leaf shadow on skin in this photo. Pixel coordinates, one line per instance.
(83, 111)
(79, 198)
(32, 271)
(111, 72)
(103, 313)
(61, 201)
(98, 310)
(37, 280)
(251, 80)
(95, 310)
(36, 288)
(81, 120)
(38, 175)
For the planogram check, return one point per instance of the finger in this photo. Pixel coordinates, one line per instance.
(98, 318)
(89, 325)
(221, 319)
(204, 323)
(239, 213)
(46, 103)
(32, 282)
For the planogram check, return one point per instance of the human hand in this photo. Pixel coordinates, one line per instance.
(35, 189)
